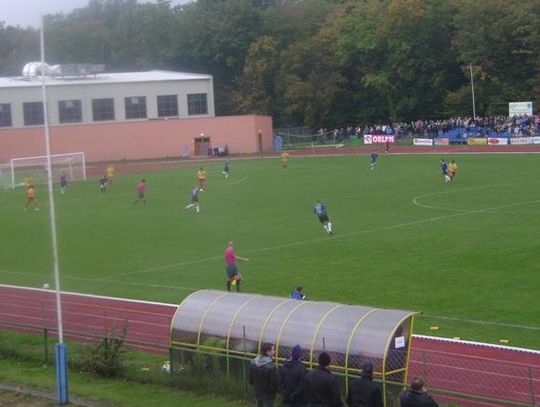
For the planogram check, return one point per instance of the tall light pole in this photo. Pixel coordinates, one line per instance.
(62, 393)
(472, 92)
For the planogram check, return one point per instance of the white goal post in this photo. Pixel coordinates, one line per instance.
(14, 173)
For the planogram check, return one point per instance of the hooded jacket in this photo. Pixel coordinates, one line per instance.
(414, 399)
(290, 381)
(263, 377)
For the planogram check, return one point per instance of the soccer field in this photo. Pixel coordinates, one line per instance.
(465, 253)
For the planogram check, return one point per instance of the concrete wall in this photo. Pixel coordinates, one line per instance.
(140, 139)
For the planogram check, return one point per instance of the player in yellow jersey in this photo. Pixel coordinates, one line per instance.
(285, 160)
(202, 176)
(31, 199)
(110, 174)
(452, 169)
(28, 183)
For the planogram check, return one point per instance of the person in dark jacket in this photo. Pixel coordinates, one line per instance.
(321, 387)
(364, 392)
(263, 376)
(416, 396)
(291, 377)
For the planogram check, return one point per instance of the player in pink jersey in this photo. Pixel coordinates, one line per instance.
(141, 193)
(233, 275)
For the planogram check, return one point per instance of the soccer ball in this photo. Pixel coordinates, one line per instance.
(166, 367)
(46, 286)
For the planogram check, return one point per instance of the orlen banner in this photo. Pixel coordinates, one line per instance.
(495, 141)
(477, 141)
(379, 139)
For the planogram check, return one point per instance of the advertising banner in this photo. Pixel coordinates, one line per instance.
(495, 141)
(520, 108)
(480, 141)
(379, 138)
(423, 142)
(443, 141)
(536, 140)
(522, 140)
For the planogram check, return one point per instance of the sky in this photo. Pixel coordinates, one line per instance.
(27, 12)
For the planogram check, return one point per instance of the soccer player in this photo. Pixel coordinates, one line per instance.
(373, 158)
(110, 174)
(452, 169)
(28, 182)
(284, 160)
(320, 210)
(31, 198)
(103, 183)
(194, 199)
(233, 275)
(141, 191)
(226, 169)
(63, 182)
(202, 176)
(444, 170)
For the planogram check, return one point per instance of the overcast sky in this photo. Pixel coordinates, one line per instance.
(27, 12)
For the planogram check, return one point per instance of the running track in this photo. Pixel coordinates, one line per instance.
(456, 366)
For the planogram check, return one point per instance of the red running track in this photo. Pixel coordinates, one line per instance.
(476, 369)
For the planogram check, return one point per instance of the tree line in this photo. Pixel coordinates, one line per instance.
(318, 63)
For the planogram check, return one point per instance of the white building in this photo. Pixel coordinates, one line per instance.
(105, 98)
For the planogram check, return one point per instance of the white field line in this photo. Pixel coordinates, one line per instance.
(326, 239)
(475, 321)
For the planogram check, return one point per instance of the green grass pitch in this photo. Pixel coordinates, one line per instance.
(466, 254)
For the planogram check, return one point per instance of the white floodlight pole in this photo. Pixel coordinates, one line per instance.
(472, 92)
(61, 349)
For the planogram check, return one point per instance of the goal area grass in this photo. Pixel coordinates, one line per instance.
(463, 253)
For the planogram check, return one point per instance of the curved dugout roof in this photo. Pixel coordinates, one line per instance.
(238, 323)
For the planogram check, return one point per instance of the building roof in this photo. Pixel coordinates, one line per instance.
(102, 78)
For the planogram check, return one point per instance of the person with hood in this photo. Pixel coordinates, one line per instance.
(364, 392)
(263, 376)
(291, 378)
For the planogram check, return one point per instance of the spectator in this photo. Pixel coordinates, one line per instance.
(298, 293)
(321, 387)
(263, 376)
(291, 377)
(416, 396)
(364, 392)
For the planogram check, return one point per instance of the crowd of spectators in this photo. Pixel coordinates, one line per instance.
(461, 127)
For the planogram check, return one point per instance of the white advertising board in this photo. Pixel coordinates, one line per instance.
(522, 140)
(423, 142)
(520, 108)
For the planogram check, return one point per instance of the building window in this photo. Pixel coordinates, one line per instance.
(135, 107)
(197, 104)
(69, 111)
(167, 105)
(103, 109)
(33, 113)
(5, 115)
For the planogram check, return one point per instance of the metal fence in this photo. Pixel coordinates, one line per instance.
(456, 372)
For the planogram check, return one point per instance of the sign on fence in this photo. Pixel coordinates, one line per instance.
(520, 108)
(379, 139)
(477, 141)
(443, 141)
(423, 142)
(522, 140)
(495, 141)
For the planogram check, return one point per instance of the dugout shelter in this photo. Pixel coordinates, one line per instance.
(234, 326)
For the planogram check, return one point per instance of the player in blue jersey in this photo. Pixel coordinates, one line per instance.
(63, 182)
(373, 158)
(194, 199)
(320, 210)
(444, 170)
(298, 293)
(226, 169)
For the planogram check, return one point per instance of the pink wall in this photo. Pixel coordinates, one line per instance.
(140, 139)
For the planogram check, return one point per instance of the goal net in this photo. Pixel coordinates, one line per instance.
(14, 173)
(295, 139)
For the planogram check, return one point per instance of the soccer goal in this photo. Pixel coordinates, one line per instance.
(14, 173)
(307, 140)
